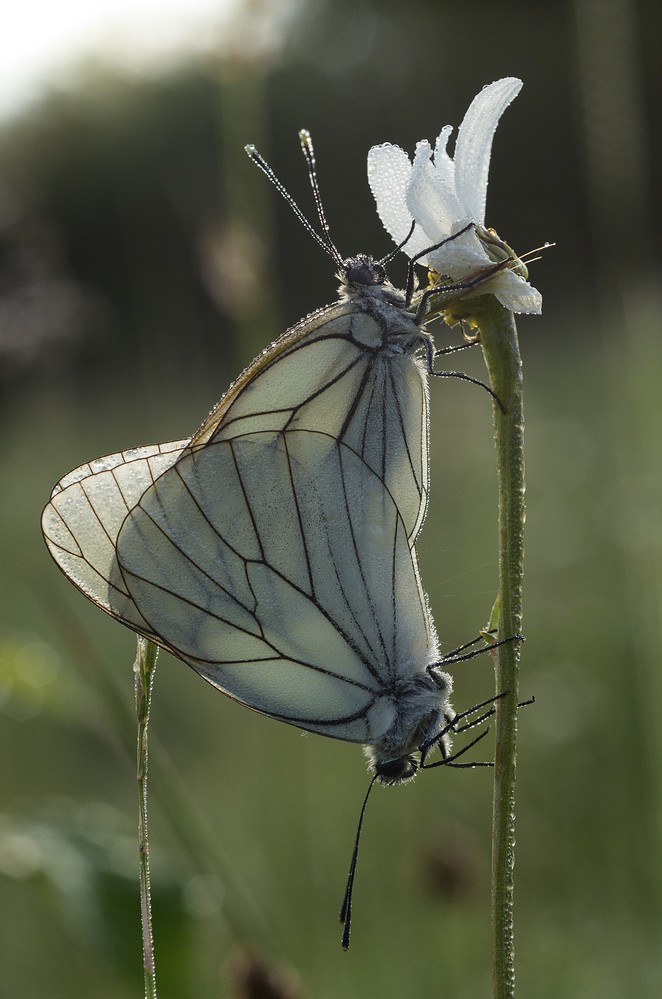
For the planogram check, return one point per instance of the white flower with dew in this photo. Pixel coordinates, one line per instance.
(443, 195)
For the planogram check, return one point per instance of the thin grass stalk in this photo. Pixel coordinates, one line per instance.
(143, 668)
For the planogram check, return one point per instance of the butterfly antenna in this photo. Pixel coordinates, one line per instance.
(346, 907)
(309, 156)
(259, 161)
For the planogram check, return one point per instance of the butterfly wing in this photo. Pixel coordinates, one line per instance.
(341, 370)
(349, 370)
(277, 565)
(86, 510)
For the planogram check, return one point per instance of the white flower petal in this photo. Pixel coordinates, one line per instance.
(444, 194)
(515, 293)
(389, 170)
(461, 256)
(442, 162)
(431, 203)
(474, 144)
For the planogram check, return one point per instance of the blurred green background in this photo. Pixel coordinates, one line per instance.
(143, 262)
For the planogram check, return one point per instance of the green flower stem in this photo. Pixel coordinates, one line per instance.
(502, 357)
(143, 669)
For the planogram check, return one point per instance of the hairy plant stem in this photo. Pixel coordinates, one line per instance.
(502, 357)
(143, 669)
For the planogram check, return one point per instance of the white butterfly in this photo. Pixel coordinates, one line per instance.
(345, 382)
(277, 565)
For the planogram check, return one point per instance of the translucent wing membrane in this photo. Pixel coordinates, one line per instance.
(87, 509)
(353, 374)
(277, 565)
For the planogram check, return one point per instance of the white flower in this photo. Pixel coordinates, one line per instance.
(443, 195)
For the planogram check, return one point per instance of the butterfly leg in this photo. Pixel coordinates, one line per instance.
(429, 351)
(449, 761)
(455, 657)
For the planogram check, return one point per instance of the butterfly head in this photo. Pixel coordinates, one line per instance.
(394, 771)
(363, 271)
(419, 711)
